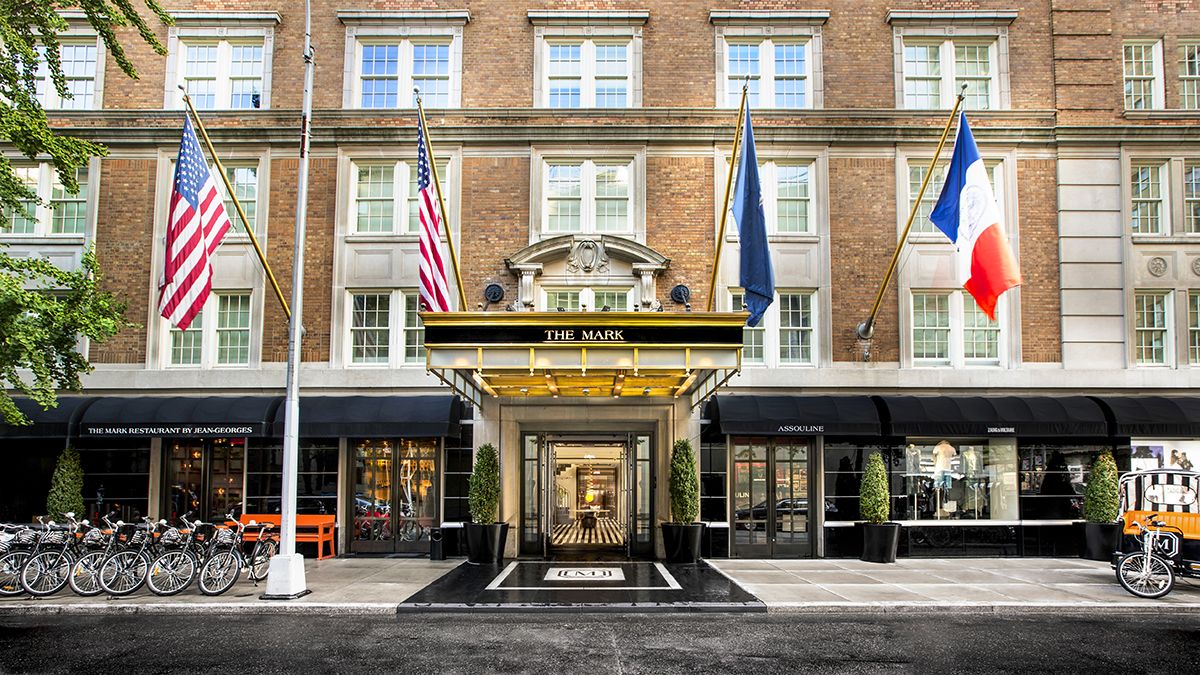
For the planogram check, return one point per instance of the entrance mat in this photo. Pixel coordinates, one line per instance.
(588, 586)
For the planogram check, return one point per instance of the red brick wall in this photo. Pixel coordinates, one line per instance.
(679, 223)
(495, 217)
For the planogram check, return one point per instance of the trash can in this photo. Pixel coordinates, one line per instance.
(452, 543)
(714, 543)
(436, 550)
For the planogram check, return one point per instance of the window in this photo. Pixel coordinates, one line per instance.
(588, 196)
(1143, 75)
(752, 337)
(244, 179)
(916, 175)
(67, 214)
(935, 69)
(1194, 327)
(796, 328)
(1151, 328)
(786, 334)
(777, 70)
(219, 336)
(1191, 197)
(383, 337)
(223, 74)
(787, 188)
(385, 198)
(949, 329)
(1146, 210)
(956, 479)
(1189, 75)
(388, 69)
(80, 67)
(586, 299)
(587, 74)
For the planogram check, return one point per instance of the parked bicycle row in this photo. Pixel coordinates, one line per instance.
(118, 558)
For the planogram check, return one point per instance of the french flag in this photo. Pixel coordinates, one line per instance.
(967, 213)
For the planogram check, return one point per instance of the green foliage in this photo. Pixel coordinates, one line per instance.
(66, 486)
(685, 483)
(44, 310)
(1101, 502)
(483, 492)
(874, 495)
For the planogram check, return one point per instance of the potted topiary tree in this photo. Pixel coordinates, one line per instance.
(66, 486)
(681, 536)
(486, 535)
(880, 538)
(1100, 506)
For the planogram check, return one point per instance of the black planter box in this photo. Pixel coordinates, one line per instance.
(485, 543)
(682, 542)
(880, 542)
(1098, 541)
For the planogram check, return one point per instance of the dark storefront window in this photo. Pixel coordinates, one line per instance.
(1054, 477)
(844, 463)
(116, 477)
(25, 480)
(316, 477)
(457, 476)
(960, 479)
(204, 477)
(714, 476)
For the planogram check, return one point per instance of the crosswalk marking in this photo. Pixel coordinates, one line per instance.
(608, 532)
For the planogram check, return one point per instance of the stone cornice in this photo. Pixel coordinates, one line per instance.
(588, 17)
(451, 17)
(191, 18)
(773, 17)
(921, 17)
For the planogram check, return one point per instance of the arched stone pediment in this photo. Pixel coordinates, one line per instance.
(557, 248)
(578, 260)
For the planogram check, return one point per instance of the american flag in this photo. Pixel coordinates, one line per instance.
(434, 293)
(196, 223)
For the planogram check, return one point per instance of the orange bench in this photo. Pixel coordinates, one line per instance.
(310, 529)
(1188, 523)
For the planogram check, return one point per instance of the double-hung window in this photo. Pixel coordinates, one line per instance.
(752, 336)
(787, 197)
(588, 196)
(218, 337)
(585, 73)
(385, 199)
(1189, 75)
(390, 70)
(777, 71)
(1143, 74)
(949, 329)
(796, 326)
(1194, 327)
(1152, 328)
(243, 176)
(67, 214)
(1148, 197)
(787, 333)
(598, 299)
(384, 329)
(223, 74)
(935, 70)
(916, 169)
(81, 68)
(1163, 196)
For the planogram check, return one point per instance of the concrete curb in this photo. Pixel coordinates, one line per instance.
(179, 608)
(1057, 608)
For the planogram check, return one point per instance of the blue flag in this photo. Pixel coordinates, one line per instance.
(756, 276)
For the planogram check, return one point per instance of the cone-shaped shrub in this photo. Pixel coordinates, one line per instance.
(874, 495)
(483, 492)
(685, 483)
(1100, 504)
(66, 486)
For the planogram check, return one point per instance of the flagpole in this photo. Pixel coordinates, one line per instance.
(866, 329)
(737, 138)
(286, 579)
(262, 258)
(437, 185)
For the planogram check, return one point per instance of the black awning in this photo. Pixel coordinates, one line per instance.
(57, 422)
(1162, 416)
(358, 416)
(994, 416)
(186, 416)
(795, 415)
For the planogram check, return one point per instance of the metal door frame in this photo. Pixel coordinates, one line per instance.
(770, 548)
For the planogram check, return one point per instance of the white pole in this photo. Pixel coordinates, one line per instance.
(286, 580)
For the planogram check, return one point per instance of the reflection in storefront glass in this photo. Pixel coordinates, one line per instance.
(395, 489)
(956, 479)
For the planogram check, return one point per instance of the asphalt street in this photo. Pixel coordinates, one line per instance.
(508, 643)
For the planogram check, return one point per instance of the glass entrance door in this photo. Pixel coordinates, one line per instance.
(205, 477)
(770, 497)
(395, 495)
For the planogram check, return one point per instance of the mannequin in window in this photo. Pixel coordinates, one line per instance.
(943, 478)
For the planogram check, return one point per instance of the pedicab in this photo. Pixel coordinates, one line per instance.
(1160, 524)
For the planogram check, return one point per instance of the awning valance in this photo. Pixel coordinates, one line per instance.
(57, 422)
(993, 416)
(182, 416)
(1154, 416)
(365, 416)
(795, 415)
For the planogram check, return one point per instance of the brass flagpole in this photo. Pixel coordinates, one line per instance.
(437, 185)
(262, 258)
(866, 329)
(737, 139)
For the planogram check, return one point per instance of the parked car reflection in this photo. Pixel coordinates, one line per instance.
(755, 518)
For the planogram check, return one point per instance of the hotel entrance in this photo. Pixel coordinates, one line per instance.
(586, 495)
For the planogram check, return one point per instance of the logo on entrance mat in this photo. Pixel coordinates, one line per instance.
(584, 574)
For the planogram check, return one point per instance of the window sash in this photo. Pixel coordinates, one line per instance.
(1146, 196)
(387, 69)
(80, 64)
(1189, 75)
(187, 347)
(796, 328)
(1141, 74)
(1194, 327)
(370, 328)
(981, 335)
(777, 72)
(244, 179)
(64, 214)
(931, 327)
(1151, 328)
(233, 329)
(413, 329)
(223, 74)
(787, 189)
(587, 196)
(935, 69)
(221, 335)
(1191, 197)
(565, 300)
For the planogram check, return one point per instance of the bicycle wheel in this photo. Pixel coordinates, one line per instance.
(171, 573)
(10, 572)
(409, 530)
(85, 574)
(260, 558)
(124, 572)
(46, 573)
(219, 573)
(1144, 578)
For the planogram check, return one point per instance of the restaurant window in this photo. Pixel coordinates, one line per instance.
(60, 213)
(116, 479)
(961, 479)
(395, 493)
(204, 477)
(218, 337)
(316, 477)
(1143, 74)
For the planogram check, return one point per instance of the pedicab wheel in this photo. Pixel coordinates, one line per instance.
(124, 573)
(1145, 579)
(10, 573)
(219, 573)
(47, 573)
(171, 573)
(85, 575)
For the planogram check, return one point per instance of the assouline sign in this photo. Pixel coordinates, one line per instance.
(185, 430)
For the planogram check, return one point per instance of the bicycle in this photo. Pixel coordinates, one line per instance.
(226, 561)
(126, 570)
(1147, 573)
(98, 544)
(175, 563)
(48, 569)
(16, 548)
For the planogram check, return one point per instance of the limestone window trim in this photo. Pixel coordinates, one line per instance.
(403, 29)
(543, 157)
(1130, 78)
(946, 29)
(448, 158)
(223, 29)
(1176, 170)
(78, 32)
(1001, 168)
(399, 332)
(770, 330)
(768, 29)
(770, 157)
(1007, 316)
(207, 325)
(588, 29)
(1172, 300)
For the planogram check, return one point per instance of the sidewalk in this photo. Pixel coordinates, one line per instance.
(381, 585)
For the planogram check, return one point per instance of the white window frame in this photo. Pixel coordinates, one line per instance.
(1173, 202)
(208, 339)
(237, 232)
(769, 160)
(448, 166)
(44, 214)
(223, 28)
(542, 158)
(50, 99)
(946, 28)
(1188, 80)
(587, 296)
(588, 28)
(771, 325)
(1168, 300)
(766, 28)
(397, 330)
(1159, 85)
(999, 171)
(957, 352)
(402, 28)
(1192, 311)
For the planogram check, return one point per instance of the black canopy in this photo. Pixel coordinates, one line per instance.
(1153, 415)
(192, 416)
(408, 416)
(1000, 415)
(795, 415)
(57, 422)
